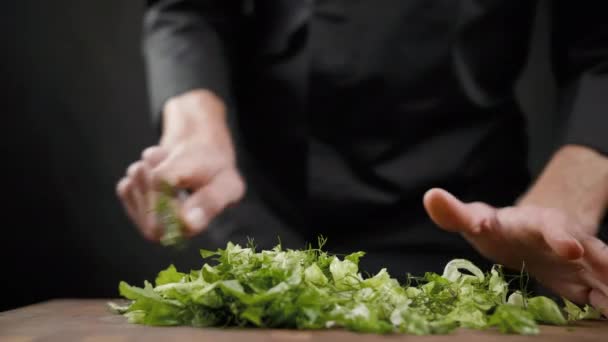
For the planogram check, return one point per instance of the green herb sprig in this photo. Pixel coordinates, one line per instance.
(166, 212)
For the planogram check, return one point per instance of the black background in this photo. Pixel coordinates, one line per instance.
(74, 115)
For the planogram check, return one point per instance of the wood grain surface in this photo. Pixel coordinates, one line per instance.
(91, 321)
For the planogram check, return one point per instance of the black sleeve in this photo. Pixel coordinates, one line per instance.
(580, 51)
(187, 45)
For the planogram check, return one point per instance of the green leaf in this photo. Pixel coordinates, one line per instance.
(468, 316)
(545, 310)
(210, 274)
(149, 308)
(354, 257)
(253, 314)
(590, 312)
(452, 271)
(169, 219)
(169, 275)
(516, 298)
(134, 292)
(408, 321)
(314, 275)
(497, 284)
(119, 309)
(233, 287)
(575, 313)
(344, 273)
(205, 253)
(511, 319)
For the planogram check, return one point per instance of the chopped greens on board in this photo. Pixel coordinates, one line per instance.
(313, 289)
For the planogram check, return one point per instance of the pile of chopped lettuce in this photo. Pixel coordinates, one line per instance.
(312, 289)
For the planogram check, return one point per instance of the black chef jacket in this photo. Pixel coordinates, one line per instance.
(346, 111)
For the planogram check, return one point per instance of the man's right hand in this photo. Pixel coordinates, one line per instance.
(195, 153)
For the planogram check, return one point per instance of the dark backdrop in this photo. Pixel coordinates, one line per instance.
(74, 116)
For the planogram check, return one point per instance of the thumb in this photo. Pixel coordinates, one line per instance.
(201, 207)
(452, 215)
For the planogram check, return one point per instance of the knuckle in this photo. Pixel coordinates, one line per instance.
(172, 105)
(233, 185)
(151, 231)
(149, 152)
(148, 234)
(123, 188)
(133, 168)
(122, 194)
(508, 211)
(141, 174)
(120, 190)
(553, 217)
(596, 243)
(239, 188)
(505, 214)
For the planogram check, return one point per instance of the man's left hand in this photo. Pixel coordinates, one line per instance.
(556, 249)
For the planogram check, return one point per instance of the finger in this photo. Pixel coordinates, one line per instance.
(523, 223)
(596, 258)
(154, 155)
(140, 205)
(149, 218)
(564, 245)
(123, 190)
(137, 188)
(555, 229)
(183, 170)
(142, 179)
(539, 228)
(453, 215)
(122, 187)
(137, 197)
(127, 194)
(137, 173)
(576, 292)
(133, 168)
(202, 206)
(154, 230)
(599, 301)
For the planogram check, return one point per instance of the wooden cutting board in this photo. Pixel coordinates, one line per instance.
(91, 321)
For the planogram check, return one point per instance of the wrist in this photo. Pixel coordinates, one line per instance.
(195, 113)
(575, 181)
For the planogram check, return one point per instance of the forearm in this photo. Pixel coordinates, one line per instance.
(575, 181)
(187, 45)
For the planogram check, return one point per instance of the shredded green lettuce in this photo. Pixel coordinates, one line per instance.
(313, 289)
(575, 313)
(167, 215)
